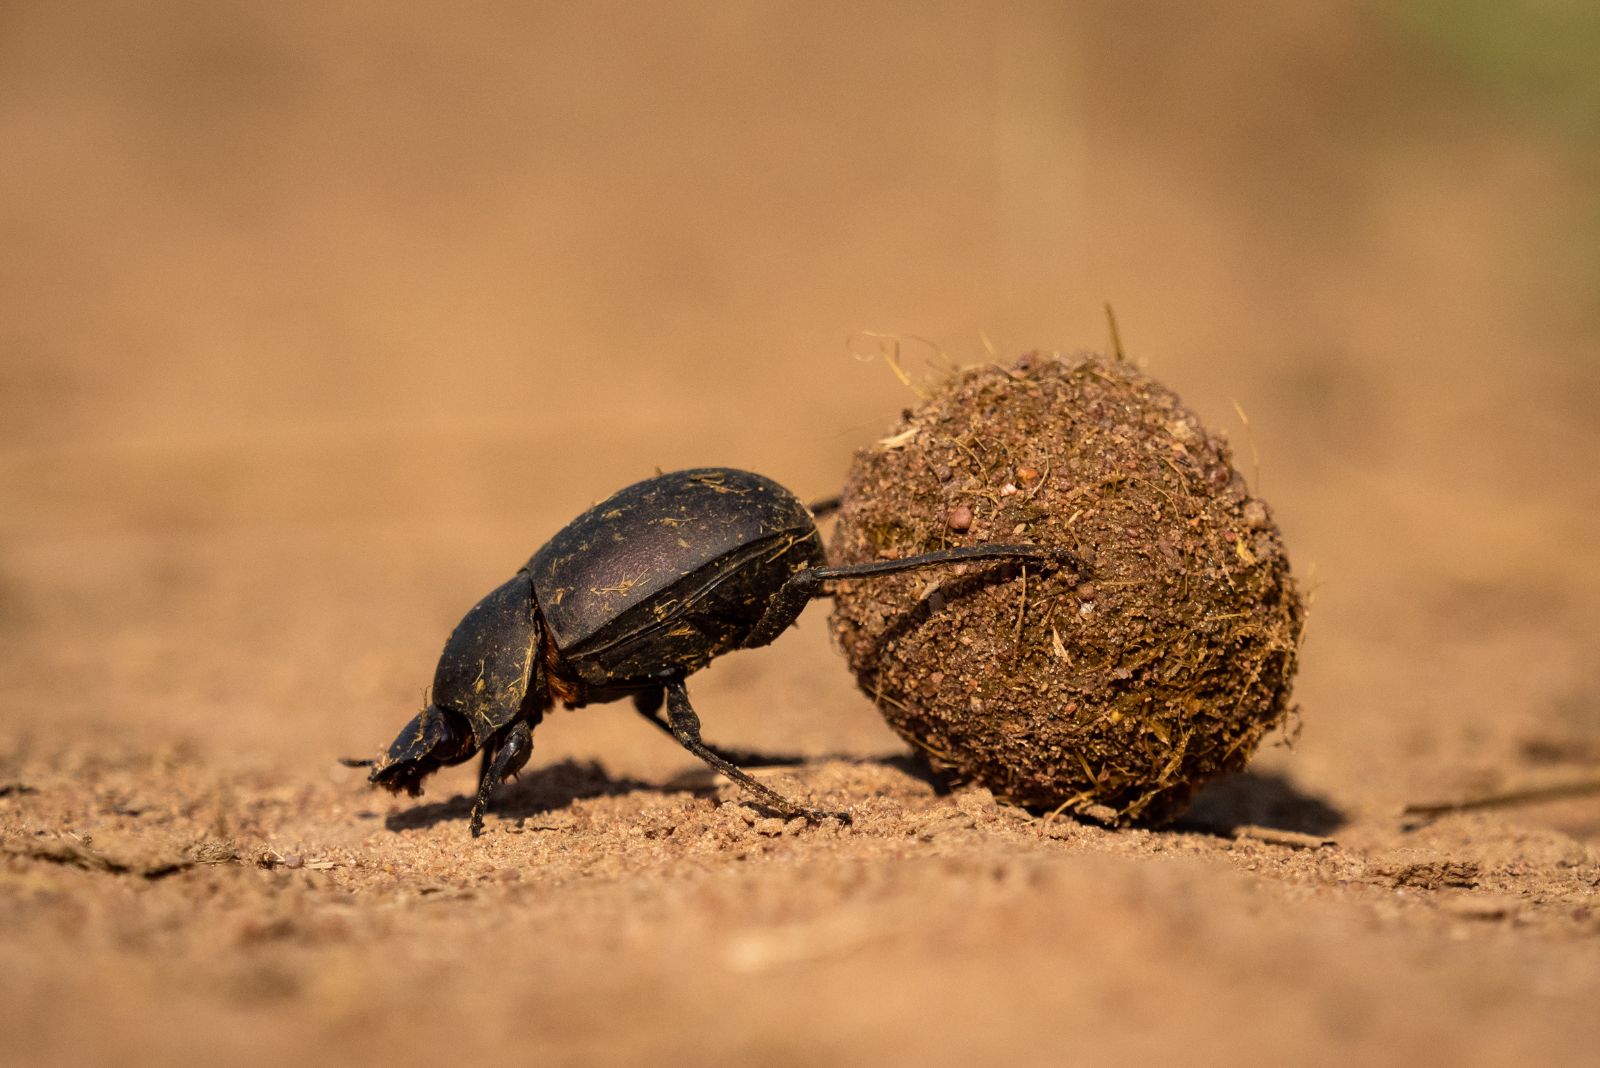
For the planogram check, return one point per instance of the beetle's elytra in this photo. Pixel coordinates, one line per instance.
(643, 589)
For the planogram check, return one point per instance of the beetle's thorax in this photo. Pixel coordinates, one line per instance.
(491, 663)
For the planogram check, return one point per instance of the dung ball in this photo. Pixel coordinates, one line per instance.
(1122, 687)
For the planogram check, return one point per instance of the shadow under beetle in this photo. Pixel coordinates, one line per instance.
(628, 599)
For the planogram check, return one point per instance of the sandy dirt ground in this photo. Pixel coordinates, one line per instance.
(317, 319)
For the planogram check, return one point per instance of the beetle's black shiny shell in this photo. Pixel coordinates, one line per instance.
(490, 658)
(670, 573)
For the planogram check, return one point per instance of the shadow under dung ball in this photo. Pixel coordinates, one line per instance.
(1124, 689)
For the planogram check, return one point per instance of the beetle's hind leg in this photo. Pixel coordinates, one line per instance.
(806, 585)
(507, 760)
(812, 578)
(824, 507)
(685, 726)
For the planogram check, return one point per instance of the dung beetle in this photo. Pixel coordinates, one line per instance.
(627, 600)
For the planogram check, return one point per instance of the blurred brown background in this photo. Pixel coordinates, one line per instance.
(316, 319)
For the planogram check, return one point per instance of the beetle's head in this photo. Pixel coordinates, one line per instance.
(435, 738)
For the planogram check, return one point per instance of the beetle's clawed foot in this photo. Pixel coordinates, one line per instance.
(816, 815)
(1070, 561)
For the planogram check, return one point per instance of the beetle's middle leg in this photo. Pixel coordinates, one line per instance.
(685, 725)
(648, 703)
(507, 760)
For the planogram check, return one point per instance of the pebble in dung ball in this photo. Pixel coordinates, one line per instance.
(1124, 689)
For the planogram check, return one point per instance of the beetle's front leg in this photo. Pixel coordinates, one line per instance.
(686, 728)
(507, 760)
